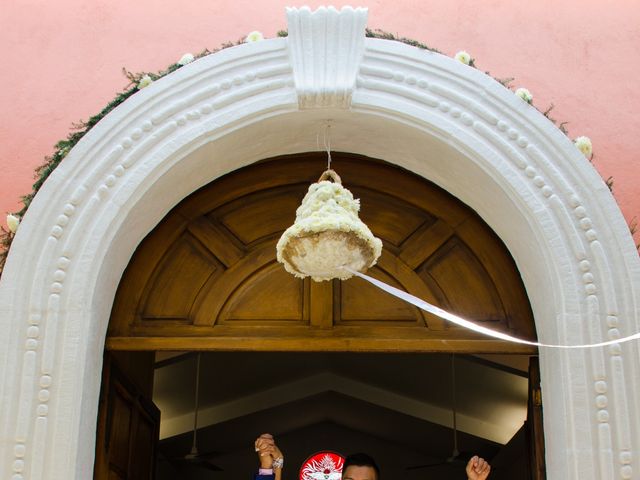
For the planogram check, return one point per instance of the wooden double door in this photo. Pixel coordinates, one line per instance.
(206, 278)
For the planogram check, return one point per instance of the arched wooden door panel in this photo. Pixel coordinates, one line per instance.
(207, 277)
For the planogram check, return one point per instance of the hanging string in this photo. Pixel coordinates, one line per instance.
(456, 452)
(427, 307)
(327, 144)
(194, 448)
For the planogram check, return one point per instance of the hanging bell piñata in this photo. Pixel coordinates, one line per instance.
(328, 235)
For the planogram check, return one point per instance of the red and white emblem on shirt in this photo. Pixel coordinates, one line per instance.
(322, 466)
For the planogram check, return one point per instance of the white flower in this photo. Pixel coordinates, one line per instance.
(463, 57)
(144, 82)
(186, 58)
(584, 145)
(524, 94)
(12, 223)
(254, 36)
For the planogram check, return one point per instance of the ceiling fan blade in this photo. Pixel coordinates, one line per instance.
(197, 463)
(428, 465)
(208, 455)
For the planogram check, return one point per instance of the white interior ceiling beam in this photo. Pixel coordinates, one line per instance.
(500, 432)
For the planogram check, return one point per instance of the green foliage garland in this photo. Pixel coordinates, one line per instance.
(63, 147)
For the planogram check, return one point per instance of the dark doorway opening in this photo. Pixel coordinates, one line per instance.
(396, 407)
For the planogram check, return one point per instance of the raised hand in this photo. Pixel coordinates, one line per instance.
(269, 454)
(478, 469)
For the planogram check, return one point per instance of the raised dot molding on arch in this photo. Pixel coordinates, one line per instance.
(464, 107)
(602, 416)
(615, 350)
(614, 333)
(513, 155)
(409, 93)
(457, 112)
(32, 343)
(18, 465)
(131, 148)
(512, 142)
(45, 381)
(423, 84)
(56, 231)
(19, 450)
(626, 472)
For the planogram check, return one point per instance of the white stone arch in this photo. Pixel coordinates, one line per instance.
(420, 110)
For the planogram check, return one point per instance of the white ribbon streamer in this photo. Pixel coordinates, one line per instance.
(427, 307)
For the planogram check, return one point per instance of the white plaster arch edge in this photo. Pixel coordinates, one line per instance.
(242, 104)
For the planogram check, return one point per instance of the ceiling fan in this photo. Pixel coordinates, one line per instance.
(457, 459)
(195, 459)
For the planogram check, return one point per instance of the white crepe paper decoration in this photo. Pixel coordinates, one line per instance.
(328, 235)
(427, 307)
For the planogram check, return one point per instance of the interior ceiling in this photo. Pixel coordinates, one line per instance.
(408, 395)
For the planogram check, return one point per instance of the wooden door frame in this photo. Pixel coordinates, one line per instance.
(205, 249)
(116, 383)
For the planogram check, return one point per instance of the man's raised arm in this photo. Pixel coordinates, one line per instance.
(478, 469)
(270, 456)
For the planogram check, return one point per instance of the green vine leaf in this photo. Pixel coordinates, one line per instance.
(80, 129)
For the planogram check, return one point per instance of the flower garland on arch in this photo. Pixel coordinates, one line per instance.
(140, 80)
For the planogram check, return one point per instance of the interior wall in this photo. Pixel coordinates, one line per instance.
(511, 462)
(138, 367)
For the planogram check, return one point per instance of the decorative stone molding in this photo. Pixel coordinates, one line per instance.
(420, 110)
(325, 71)
(568, 197)
(49, 316)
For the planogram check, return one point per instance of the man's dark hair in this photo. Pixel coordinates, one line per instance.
(361, 460)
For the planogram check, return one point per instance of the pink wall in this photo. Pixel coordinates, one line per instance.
(62, 62)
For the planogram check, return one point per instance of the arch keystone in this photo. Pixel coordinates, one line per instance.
(326, 48)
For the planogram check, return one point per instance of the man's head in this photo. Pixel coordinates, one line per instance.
(360, 466)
